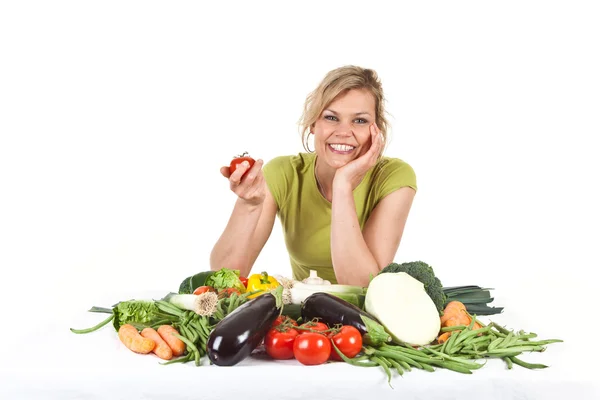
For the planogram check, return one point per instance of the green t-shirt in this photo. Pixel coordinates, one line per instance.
(305, 214)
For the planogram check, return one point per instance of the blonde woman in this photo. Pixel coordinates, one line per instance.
(343, 206)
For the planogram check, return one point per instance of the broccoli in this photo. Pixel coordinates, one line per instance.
(422, 272)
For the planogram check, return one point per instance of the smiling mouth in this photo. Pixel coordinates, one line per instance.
(340, 148)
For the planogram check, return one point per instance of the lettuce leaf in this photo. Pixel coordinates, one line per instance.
(226, 278)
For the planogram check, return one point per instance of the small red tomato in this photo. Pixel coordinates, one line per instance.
(203, 289)
(240, 159)
(244, 281)
(280, 344)
(312, 348)
(348, 340)
(314, 326)
(281, 319)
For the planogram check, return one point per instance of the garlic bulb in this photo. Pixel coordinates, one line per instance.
(313, 279)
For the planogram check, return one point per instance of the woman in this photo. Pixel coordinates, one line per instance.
(343, 207)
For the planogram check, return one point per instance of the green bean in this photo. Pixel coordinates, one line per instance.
(169, 308)
(351, 361)
(516, 349)
(506, 340)
(419, 356)
(93, 328)
(495, 343)
(158, 323)
(536, 343)
(528, 336)
(406, 349)
(468, 364)
(500, 328)
(185, 331)
(462, 337)
(182, 359)
(449, 343)
(385, 367)
(398, 356)
(192, 346)
(481, 339)
(396, 365)
(453, 328)
(527, 365)
(453, 366)
(509, 363)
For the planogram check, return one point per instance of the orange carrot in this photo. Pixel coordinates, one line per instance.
(177, 346)
(135, 342)
(161, 349)
(443, 337)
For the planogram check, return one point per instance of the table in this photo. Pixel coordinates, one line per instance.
(57, 364)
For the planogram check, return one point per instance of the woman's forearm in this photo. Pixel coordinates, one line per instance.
(232, 249)
(352, 260)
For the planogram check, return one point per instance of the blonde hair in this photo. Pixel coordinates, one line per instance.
(336, 82)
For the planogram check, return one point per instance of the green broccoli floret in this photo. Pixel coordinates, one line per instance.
(422, 272)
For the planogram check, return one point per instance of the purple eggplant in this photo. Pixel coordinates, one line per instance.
(237, 335)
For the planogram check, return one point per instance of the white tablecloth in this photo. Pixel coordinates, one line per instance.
(50, 362)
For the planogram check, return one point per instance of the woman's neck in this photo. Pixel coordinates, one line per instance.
(324, 176)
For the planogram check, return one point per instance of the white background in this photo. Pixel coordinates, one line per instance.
(116, 116)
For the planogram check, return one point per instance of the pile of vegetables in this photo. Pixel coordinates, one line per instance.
(405, 319)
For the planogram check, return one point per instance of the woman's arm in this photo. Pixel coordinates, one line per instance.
(250, 224)
(356, 254)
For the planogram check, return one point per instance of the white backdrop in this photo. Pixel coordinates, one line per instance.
(116, 116)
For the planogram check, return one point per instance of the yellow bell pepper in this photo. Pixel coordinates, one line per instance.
(262, 282)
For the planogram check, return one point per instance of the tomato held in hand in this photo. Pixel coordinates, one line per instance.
(348, 340)
(240, 159)
(312, 348)
(280, 344)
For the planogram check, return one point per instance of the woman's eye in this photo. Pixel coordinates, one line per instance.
(361, 121)
(330, 118)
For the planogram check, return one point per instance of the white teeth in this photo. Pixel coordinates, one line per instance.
(341, 147)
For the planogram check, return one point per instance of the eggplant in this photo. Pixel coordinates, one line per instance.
(237, 335)
(332, 310)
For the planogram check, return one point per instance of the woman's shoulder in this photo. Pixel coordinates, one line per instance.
(394, 172)
(393, 165)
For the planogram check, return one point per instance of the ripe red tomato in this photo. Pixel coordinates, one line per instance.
(240, 159)
(244, 281)
(203, 289)
(281, 319)
(315, 326)
(280, 345)
(312, 348)
(348, 341)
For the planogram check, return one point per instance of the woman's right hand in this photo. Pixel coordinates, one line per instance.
(250, 188)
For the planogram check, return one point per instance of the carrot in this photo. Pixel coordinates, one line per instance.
(455, 313)
(161, 349)
(452, 309)
(135, 342)
(166, 333)
(444, 336)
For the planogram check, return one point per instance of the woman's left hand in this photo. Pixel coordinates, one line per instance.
(350, 175)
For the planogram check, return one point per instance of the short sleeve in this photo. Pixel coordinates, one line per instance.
(276, 173)
(392, 175)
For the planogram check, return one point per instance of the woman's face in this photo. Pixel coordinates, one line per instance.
(342, 130)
